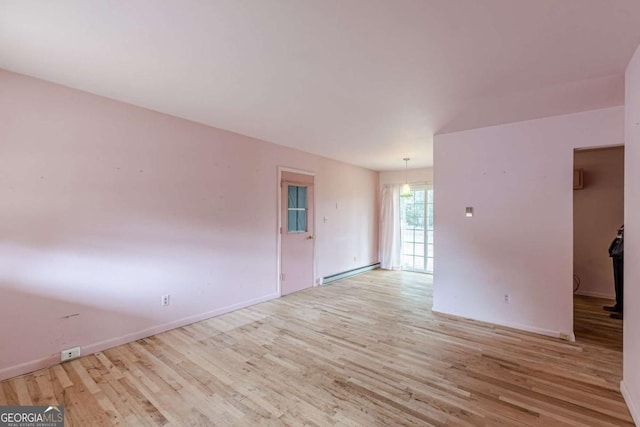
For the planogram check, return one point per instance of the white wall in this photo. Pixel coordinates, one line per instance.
(518, 178)
(631, 381)
(105, 207)
(598, 212)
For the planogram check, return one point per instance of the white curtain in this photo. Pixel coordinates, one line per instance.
(390, 243)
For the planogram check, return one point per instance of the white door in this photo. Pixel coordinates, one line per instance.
(416, 214)
(297, 233)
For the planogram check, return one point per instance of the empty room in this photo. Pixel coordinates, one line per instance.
(354, 213)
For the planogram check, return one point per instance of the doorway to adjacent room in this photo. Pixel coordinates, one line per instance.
(598, 213)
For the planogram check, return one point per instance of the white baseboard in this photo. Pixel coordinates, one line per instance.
(30, 366)
(631, 404)
(567, 336)
(46, 362)
(596, 294)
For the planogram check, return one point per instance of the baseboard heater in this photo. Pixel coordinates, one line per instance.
(349, 273)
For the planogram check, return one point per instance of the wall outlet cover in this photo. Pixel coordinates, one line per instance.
(165, 300)
(70, 353)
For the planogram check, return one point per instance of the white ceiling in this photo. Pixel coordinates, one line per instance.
(364, 81)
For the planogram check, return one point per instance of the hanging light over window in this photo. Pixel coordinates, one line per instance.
(406, 189)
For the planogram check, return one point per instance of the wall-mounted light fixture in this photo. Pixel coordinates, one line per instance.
(406, 189)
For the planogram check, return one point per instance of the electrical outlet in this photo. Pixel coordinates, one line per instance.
(506, 298)
(70, 353)
(166, 299)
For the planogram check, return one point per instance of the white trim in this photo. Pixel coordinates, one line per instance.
(567, 336)
(279, 225)
(30, 366)
(34, 365)
(631, 404)
(596, 294)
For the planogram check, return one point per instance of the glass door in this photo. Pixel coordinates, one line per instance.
(416, 216)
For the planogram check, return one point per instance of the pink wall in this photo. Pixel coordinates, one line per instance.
(598, 212)
(631, 381)
(518, 178)
(417, 176)
(105, 207)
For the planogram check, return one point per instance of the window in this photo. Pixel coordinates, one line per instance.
(416, 214)
(297, 209)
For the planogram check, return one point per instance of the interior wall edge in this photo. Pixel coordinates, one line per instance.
(631, 402)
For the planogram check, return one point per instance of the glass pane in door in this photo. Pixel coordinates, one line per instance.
(416, 214)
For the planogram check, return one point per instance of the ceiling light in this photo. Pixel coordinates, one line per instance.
(406, 189)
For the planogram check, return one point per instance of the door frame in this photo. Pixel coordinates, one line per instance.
(572, 335)
(279, 225)
(426, 186)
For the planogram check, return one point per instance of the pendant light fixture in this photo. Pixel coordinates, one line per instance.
(406, 190)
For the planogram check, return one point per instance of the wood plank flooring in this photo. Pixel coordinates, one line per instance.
(361, 352)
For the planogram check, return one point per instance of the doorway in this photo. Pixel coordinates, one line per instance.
(296, 231)
(416, 229)
(598, 213)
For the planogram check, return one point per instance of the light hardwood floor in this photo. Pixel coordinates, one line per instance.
(364, 351)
